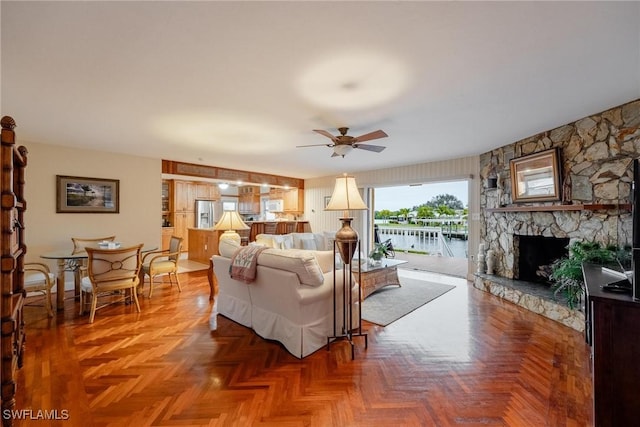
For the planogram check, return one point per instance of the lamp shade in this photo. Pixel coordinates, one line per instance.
(230, 221)
(345, 195)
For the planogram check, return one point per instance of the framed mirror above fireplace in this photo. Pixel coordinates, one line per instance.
(536, 177)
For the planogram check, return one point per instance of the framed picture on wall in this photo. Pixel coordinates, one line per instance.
(76, 194)
(536, 177)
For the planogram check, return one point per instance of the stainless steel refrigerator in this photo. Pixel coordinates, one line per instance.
(205, 213)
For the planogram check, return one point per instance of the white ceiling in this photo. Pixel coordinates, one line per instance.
(240, 84)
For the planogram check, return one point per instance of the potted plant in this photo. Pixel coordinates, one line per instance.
(379, 251)
(566, 272)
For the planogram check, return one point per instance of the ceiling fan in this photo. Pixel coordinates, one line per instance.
(343, 143)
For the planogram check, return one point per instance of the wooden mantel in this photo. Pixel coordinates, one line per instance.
(550, 208)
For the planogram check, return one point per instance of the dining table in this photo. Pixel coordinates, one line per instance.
(71, 260)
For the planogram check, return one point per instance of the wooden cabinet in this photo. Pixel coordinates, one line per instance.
(181, 224)
(249, 200)
(613, 322)
(206, 191)
(167, 232)
(13, 249)
(276, 193)
(294, 200)
(303, 227)
(184, 199)
(167, 196)
(203, 244)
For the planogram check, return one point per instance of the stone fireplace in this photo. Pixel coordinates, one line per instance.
(595, 155)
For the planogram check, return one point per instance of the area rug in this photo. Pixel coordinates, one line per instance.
(390, 303)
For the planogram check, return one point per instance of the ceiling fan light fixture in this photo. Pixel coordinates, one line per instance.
(341, 150)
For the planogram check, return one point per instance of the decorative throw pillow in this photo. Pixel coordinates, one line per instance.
(266, 240)
(329, 237)
(309, 244)
(286, 241)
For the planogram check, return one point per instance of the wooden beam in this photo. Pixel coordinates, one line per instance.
(214, 172)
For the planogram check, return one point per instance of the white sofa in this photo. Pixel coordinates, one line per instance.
(291, 300)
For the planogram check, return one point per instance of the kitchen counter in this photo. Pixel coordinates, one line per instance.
(276, 227)
(203, 244)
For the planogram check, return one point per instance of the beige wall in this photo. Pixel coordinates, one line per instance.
(316, 189)
(139, 219)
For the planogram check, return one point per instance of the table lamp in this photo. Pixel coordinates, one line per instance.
(230, 222)
(346, 197)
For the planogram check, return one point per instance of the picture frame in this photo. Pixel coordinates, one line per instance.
(536, 177)
(327, 199)
(76, 194)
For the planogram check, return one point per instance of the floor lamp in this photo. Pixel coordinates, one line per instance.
(346, 197)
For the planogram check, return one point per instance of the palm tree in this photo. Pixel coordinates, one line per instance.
(404, 212)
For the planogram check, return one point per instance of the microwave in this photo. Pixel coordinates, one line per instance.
(275, 205)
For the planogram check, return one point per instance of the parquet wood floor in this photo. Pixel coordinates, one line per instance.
(465, 359)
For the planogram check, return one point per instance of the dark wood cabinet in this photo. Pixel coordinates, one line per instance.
(613, 330)
(13, 249)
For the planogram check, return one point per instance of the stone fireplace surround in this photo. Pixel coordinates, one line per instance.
(596, 154)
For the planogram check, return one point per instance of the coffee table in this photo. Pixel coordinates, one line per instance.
(374, 277)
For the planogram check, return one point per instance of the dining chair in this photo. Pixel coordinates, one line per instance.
(80, 268)
(38, 278)
(109, 272)
(80, 243)
(162, 262)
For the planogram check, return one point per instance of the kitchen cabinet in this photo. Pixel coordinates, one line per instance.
(294, 200)
(167, 196)
(276, 193)
(181, 224)
(167, 232)
(249, 200)
(184, 196)
(206, 191)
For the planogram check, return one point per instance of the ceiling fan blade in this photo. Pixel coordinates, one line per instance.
(325, 133)
(316, 145)
(371, 135)
(335, 154)
(376, 148)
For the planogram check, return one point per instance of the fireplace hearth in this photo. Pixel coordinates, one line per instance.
(535, 254)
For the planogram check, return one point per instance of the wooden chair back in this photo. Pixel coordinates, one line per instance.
(175, 247)
(112, 269)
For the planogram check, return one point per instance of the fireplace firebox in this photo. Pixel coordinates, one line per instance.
(535, 254)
